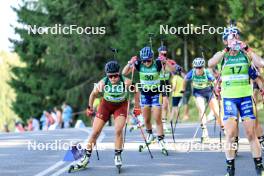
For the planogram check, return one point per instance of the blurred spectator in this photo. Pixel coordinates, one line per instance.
(52, 120)
(6, 129)
(19, 127)
(66, 115)
(58, 112)
(33, 124)
(43, 120)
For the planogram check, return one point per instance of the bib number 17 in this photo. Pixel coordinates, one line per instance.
(236, 69)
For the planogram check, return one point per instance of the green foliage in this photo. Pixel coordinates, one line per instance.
(7, 94)
(64, 67)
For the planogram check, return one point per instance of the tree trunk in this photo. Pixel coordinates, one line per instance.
(185, 51)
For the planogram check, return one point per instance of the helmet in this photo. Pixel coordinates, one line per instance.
(146, 53)
(198, 62)
(112, 67)
(230, 30)
(162, 48)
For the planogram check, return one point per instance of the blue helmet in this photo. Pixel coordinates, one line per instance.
(162, 48)
(230, 30)
(112, 67)
(146, 53)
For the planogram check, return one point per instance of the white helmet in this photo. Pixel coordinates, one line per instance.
(198, 62)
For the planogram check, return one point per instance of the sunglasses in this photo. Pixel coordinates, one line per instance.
(198, 67)
(113, 76)
(146, 61)
(164, 53)
(232, 36)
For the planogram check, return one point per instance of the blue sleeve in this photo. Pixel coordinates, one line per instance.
(210, 76)
(189, 75)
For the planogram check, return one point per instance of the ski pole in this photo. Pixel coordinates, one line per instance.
(198, 127)
(202, 52)
(143, 135)
(177, 119)
(96, 150)
(218, 79)
(128, 107)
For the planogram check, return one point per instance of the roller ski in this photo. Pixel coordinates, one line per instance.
(165, 128)
(205, 136)
(162, 145)
(81, 163)
(230, 172)
(118, 161)
(260, 170)
(167, 131)
(230, 169)
(151, 139)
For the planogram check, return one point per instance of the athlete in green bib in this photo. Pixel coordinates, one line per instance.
(150, 91)
(114, 102)
(202, 83)
(165, 76)
(236, 91)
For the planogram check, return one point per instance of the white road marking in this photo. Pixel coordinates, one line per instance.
(59, 163)
(54, 166)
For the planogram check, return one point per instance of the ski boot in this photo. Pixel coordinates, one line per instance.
(165, 128)
(230, 171)
(259, 166)
(230, 168)
(260, 171)
(118, 160)
(81, 163)
(150, 139)
(205, 137)
(162, 145)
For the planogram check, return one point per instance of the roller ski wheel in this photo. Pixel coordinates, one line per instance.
(162, 145)
(71, 168)
(260, 171)
(118, 163)
(230, 171)
(75, 168)
(141, 147)
(119, 169)
(164, 152)
(80, 165)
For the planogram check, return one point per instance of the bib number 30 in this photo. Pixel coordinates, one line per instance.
(149, 77)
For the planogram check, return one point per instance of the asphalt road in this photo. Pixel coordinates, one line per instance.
(19, 157)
